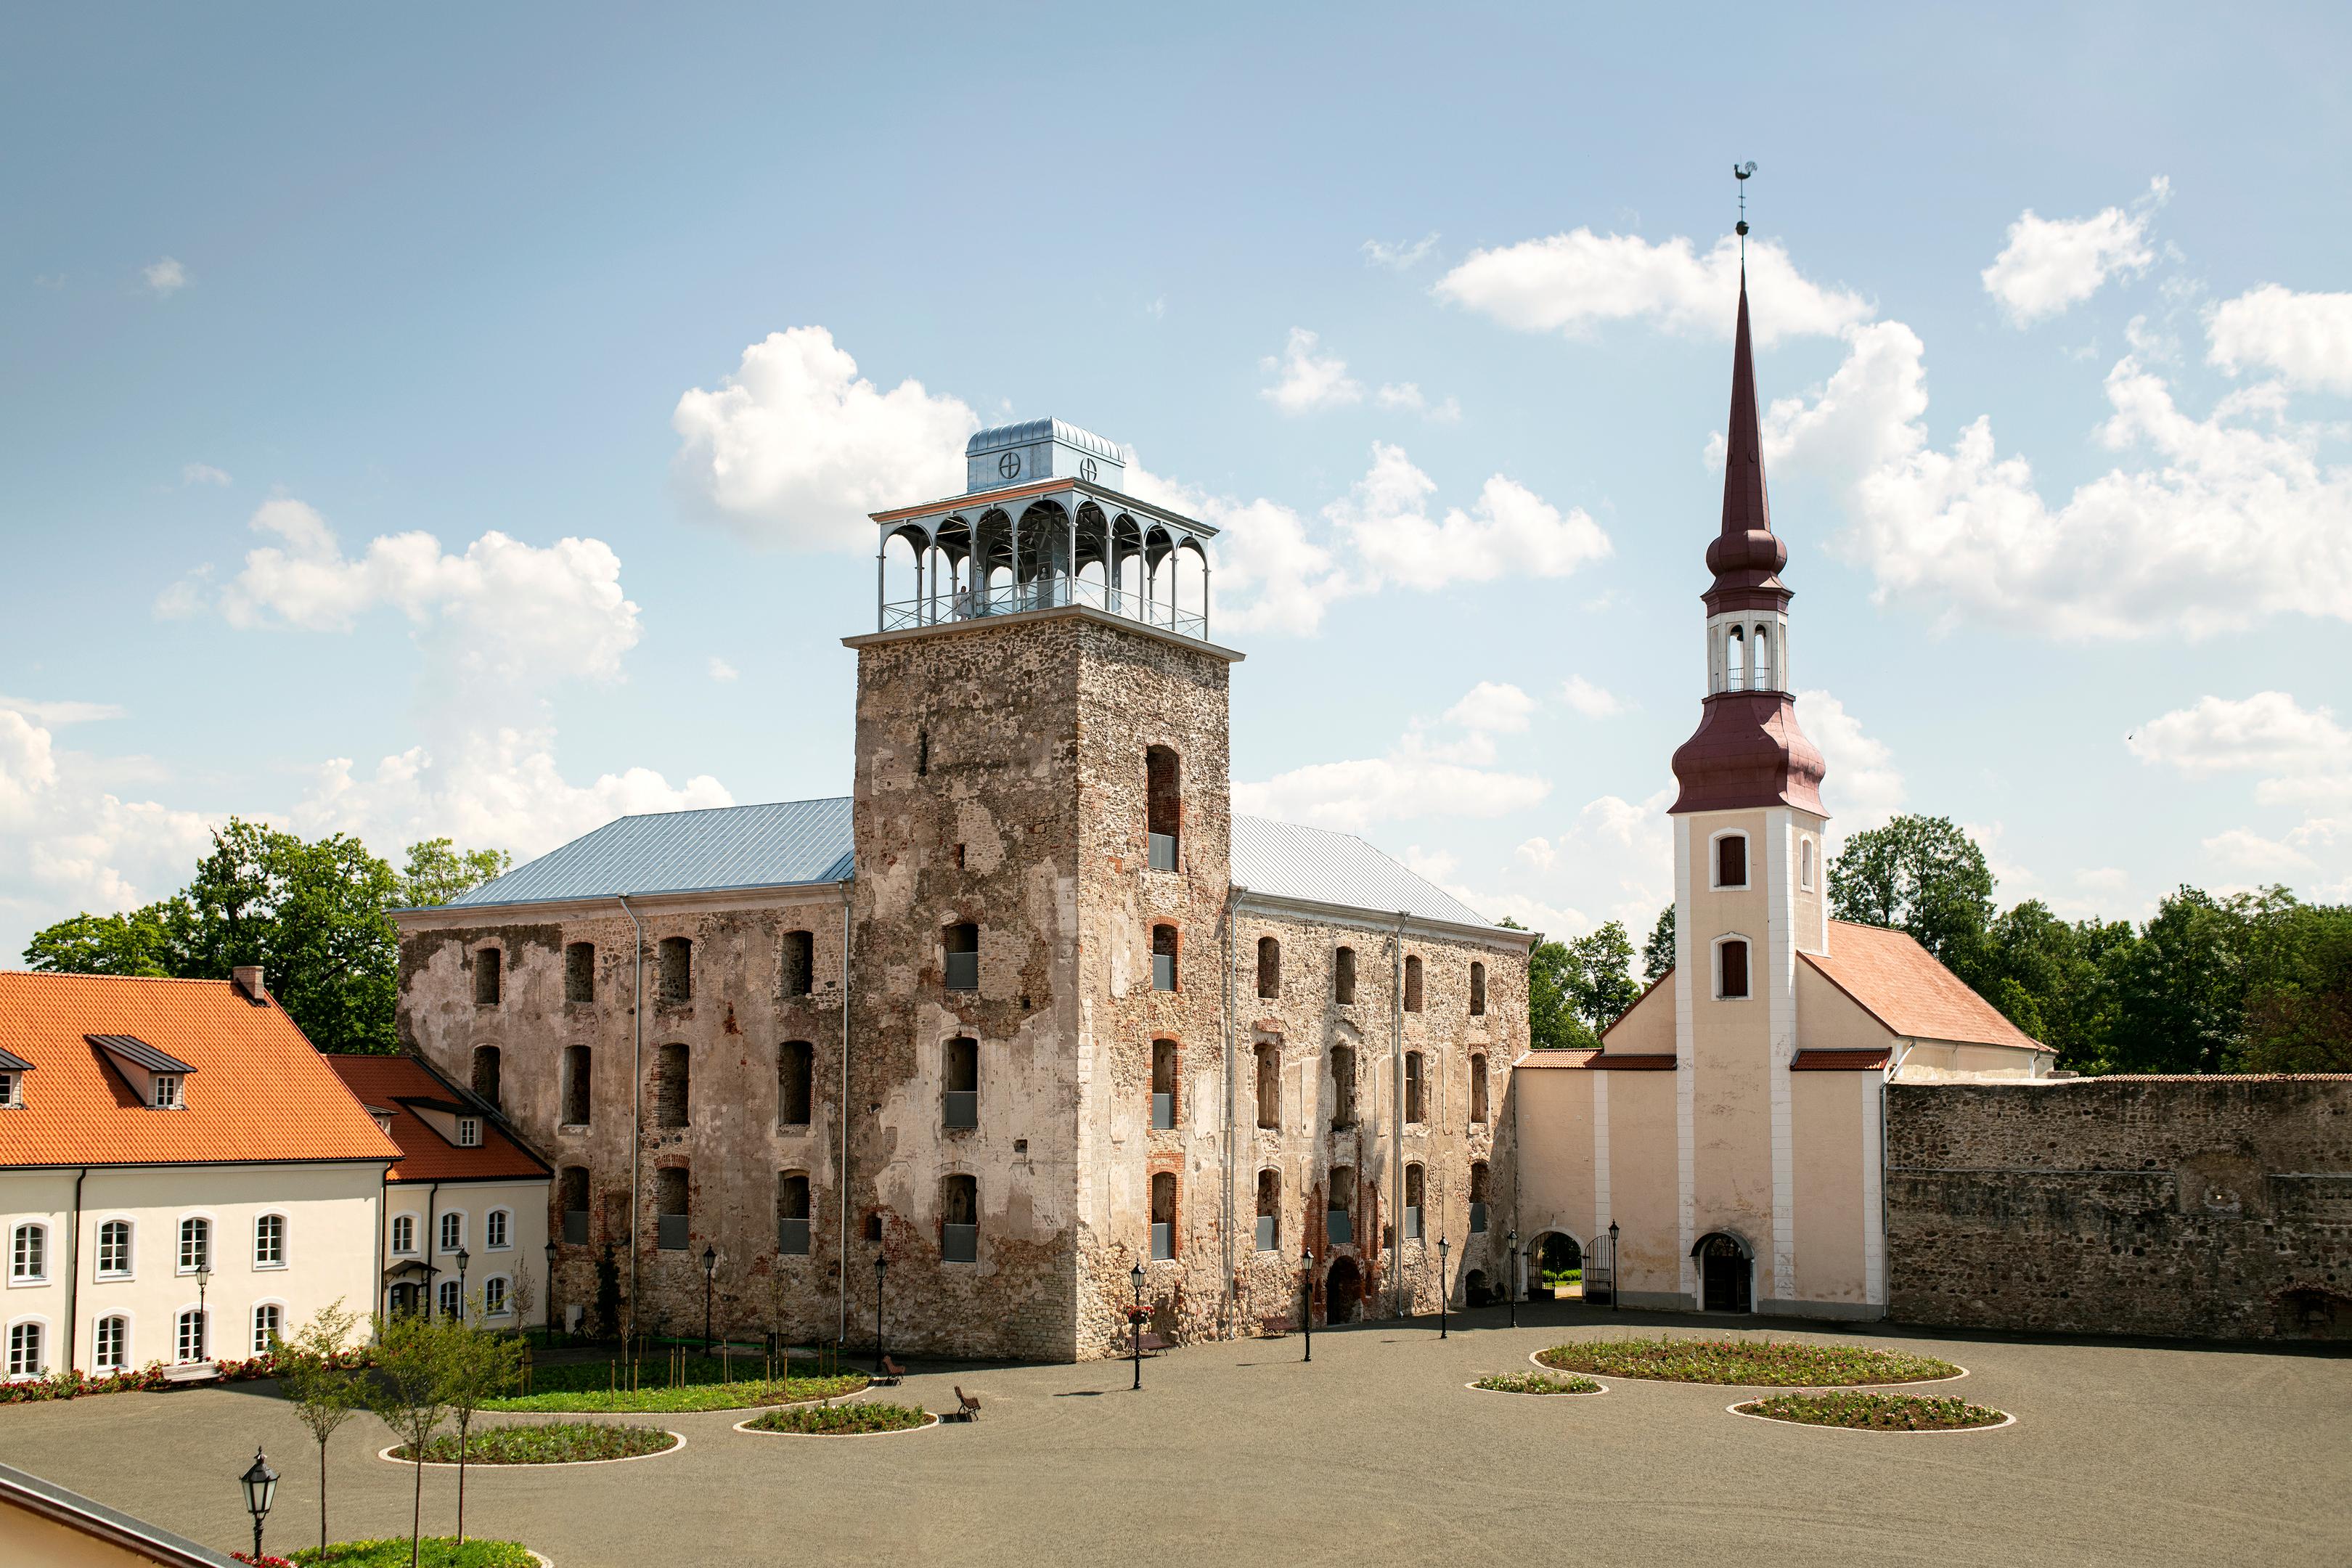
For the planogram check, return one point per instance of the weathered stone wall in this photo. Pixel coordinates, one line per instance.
(2214, 1208)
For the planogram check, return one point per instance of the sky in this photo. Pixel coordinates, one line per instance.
(427, 423)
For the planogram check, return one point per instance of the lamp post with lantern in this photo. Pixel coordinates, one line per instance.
(551, 1292)
(260, 1484)
(1615, 1292)
(710, 1283)
(1306, 1299)
(1441, 1285)
(881, 1265)
(1511, 1277)
(463, 1258)
(1135, 1319)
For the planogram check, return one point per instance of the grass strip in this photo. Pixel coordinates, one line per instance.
(433, 1551)
(554, 1443)
(596, 1399)
(1766, 1363)
(843, 1420)
(1536, 1383)
(1875, 1412)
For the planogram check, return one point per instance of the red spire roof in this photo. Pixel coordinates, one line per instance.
(1746, 556)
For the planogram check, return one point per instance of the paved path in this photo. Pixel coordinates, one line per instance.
(1375, 1454)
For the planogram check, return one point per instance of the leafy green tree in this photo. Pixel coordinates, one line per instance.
(1552, 1024)
(408, 1392)
(152, 941)
(1918, 874)
(2180, 989)
(2053, 979)
(2298, 1015)
(477, 1365)
(1658, 952)
(1602, 984)
(437, 872)
(324, 1391)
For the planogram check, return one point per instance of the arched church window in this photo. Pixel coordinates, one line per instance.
(1735, 660)
(1731, 968)
(1731, 860)
(1762, 678)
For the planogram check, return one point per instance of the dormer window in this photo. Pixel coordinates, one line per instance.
(469, 1133)
(8, 1100)
(167, 1091)
(382, 1123)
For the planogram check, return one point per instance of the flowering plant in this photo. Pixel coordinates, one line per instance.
(264, 1561)
(1139, 1314)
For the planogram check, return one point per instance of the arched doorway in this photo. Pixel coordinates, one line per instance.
(1559, 1267)
(1725, 1269)
(1475, 1292)
(1342, 1290)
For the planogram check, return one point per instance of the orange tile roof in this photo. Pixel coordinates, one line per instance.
(1902, 985)
(258, 1091)
(1838, 1061)
(389, 1083)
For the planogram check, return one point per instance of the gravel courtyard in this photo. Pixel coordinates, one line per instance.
(1374, 1454)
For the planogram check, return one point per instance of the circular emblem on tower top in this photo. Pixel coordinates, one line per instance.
(1086, 470)
(1009, 464)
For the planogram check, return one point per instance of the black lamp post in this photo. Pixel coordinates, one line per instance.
(1614, 1290)
(551, 1292)
(261, 1483)
(880, 1264)
(1511, 1277)
(1135, 1319)
(1306, 1299)
(709, 1283)
(463, 1257)
(1441, 1285)
(203, 1319)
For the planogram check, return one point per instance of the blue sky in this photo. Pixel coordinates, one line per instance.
(423, 424)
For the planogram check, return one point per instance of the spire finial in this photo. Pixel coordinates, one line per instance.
(1743, 172)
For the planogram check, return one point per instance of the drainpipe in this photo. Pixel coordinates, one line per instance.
(637, 1094)
(843, 1332)
(1396, 1118)
(73, 1271)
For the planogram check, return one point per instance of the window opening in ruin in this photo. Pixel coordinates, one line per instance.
(1164, 1214)
(1477, 1088)
(1343, 1292)
(960, 1220)
(1731, 860)
(677, 970)
(800, 963)
(793, 1214)
(795, 1082)
(1343, 976)
(1164, 958)
(486, 976)
(1269, 1083)
(579, 972)
(671, 1100)
(1731, 960)
(962, 944)
(1163, 808)
(874, 1226)
(1477, 990)
(958, 856)
(671, 1218)
(1339, 1208)
(922, 754)
(1163, 1084)
(486, 1073)
(960, 1105)
(1343, 1087)
(1269, 1211)
(1412, 1196)
(575, 1086)
(571, 1202)
(1478, 1199)
(1416, 1095)
(1269, 967)
(1412, 983)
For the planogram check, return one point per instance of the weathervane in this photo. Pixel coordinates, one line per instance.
(1741, 172)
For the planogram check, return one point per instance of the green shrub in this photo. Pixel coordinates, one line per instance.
(843, 1420)
(596, 1399)
(1536, 1383)
(1875, 1412)
(555, 1443)
(1766, 1363)
(433, 1551)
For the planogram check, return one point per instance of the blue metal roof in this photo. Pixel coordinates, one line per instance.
(797, 842)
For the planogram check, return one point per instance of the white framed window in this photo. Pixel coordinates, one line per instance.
(1727, 861)
(453, 1231)
(195, 1245)
(269, 1241)
(28, 1255)
(114, 1249)
(497, 1230)
(190, 1342)
(110, 1345)
(27, 1342)
(8, 1100)
(403, 1232)
(494, 1296)
(469, 1133)
(450, 1299)
(1733, 981)
(167, 1091)
(268, 1324)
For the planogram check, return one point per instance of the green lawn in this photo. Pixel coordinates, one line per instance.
(1875, 1412)
(1765, 1363)
(438, 1551)
(601, 1386)
(844, 1420)
(554, 1443)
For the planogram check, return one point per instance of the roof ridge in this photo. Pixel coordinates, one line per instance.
(93, 975)
(707, 810)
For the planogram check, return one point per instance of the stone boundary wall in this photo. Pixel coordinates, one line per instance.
(2206, 1207)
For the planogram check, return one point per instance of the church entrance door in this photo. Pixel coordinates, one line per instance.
(1723, 1273)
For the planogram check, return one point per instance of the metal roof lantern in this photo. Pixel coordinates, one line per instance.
(1041, 449)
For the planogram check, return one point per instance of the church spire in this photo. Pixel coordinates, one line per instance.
(1746, 556)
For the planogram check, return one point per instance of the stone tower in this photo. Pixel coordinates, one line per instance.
(1041, 840)
(1749, 892)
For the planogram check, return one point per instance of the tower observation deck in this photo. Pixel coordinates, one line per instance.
(1042, 524)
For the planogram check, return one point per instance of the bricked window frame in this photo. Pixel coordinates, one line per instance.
(1416, 1089)
(677, 971)
(1343, 975)
(1268, 1054)
(1167, 1077)
(1166, 1200)
(1345, 1100)
(488, 1077)
(577, 1086)
(1269, 1207)
(958, 1195)
(489, 968)
(798, 960)
(1413, 992)
(579, 972)
(1477, 989)
(1168, 942)
(1269, 968)
(673, 1085)
(1478, 1088)
(1415, 1205)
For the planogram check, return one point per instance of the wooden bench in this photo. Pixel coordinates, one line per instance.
(891, 1373)
(1274, 1328)
(189, 1373)
(1152, 1343)
(966, 1404)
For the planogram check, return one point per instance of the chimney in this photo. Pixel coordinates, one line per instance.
(249, 980)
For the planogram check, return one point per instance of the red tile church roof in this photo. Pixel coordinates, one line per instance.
(1902, 985)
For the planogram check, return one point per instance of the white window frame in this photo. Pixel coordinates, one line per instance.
(130, 1269)
(393, 1242)
(164, 1092)
(469, 1133)
(38, 1231)
(40, 1367)
(448, 1217)
(501, 1304)
(1715, 860)
(498, 1231)
(204, 1316)
(98, 1342)
(258, 1261)
(8, 1088)
(444, 1292)
(1715, 951)
(180, 1243)
(253, 1322)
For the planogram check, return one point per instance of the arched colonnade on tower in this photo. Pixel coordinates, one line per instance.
(1000, 560)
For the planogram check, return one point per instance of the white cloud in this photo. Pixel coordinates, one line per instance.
(795, 447)
(166, 276)
(1401, 256)
(1863, 788)
(1436, 864)
(1419, 777)
(2305, 753)
(1538, 852)
(2102, 878)
(1571, 282)
(2307, 338)
(1389, 534)
(2217, 526)
(202, 474)
(1407, 396)
(1593, 702)
(1623, 851)
(2050, 264)
(55, 714)
(1307, 381)
(721, 671)
(2243, 850)
(1497, 708)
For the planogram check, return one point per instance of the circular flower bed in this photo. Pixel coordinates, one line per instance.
(1536, 1383)
(554, 1443)
(433, 1551)
(1756, 1363)
(860, 1420)
(1876, 1412)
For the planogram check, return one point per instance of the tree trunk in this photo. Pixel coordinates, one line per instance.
(322, 1496)
(461, 1483)
(416, 1517)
